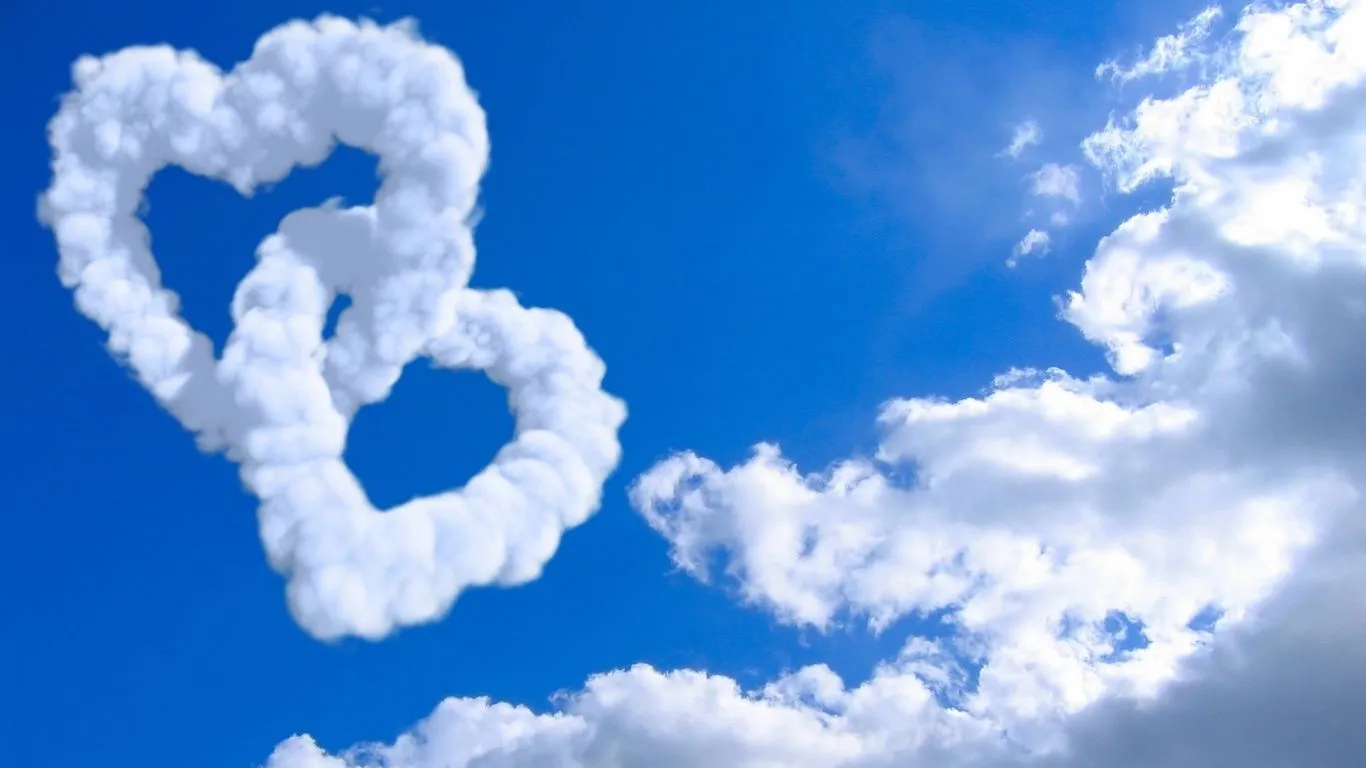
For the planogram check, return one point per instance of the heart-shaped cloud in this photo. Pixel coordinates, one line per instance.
(281, 399)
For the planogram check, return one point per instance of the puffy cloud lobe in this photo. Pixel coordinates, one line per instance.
(281, 399)
(1221, 467)
(643, 717)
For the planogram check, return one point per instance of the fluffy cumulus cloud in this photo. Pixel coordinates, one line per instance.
(1160, 565)
(281, 398)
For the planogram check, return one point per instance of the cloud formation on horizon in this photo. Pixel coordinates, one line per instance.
(281, 399)
(1160, 565)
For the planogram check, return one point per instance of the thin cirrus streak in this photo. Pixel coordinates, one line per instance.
(281, 399)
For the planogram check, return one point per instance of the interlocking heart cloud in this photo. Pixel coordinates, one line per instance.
(281, 399)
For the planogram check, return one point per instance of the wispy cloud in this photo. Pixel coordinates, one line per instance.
(1027, 134)
(1170, 53)
(1035, 241)
(964, 95)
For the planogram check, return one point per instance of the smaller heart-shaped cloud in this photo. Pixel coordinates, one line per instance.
(281, 399)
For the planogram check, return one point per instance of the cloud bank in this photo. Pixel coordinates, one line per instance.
(1158, 566)
(281, 399)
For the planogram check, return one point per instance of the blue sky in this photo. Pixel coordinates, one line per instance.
(767, 218)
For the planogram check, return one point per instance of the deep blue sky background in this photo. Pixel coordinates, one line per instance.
(767, 217)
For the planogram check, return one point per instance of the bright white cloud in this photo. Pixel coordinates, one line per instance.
(282, 398)
(1035, 241)
(1027, 134)
(1171, 53)
(1220, 465)
(1054, 180)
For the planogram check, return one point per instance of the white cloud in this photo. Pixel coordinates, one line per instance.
(1220, 465)
(1054, 180)
(281, 399)
(1035, 241)
(1171, 53)
(1027, 134)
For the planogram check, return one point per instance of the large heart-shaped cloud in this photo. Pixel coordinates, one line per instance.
(281, 399)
